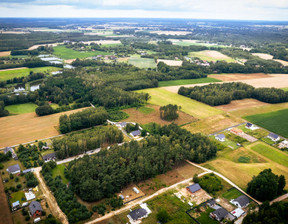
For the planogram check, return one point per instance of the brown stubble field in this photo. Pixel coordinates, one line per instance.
(29, 127)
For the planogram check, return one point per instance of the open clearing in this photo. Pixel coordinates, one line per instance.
(208, 55)
(170, 62)
(139, 62)
(274, 121)
(241, 104)
(187, 82)
(263, 56)
(154, 116)
(238, 76)
(66, 53)
(28, 127)
(161, 97)
(20, 72)
(5, 53)
(21, 108)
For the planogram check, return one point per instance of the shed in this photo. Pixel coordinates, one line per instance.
(15, 204)
(30, 196)
(27, 171)
(14, 169)
(193, 188)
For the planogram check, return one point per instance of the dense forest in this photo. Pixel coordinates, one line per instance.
(269, 214)
(107, 172)
(80, 142)
(219, 94)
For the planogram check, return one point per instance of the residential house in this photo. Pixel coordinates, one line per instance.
(220, 137)
(273, 137)
(238, 212)
(211, 202)
(138, 214)
(49, 157)
(14, 169)
(35, 209)
(283, 144)
(193, 188)
(135, 133)
(219, 214)
(237, 131)
(241, 202)
(250, 126)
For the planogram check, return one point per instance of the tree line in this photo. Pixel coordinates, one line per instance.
(107, 172)
(219, 94)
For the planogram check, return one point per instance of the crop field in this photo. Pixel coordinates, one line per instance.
(139, 62)
(187, 81)
(5, 53)
(241, 104)
(263, 56)
(274, 121)
(66, 53)
(193, 42)
(170, 62)
(208, 55)
(151, 113)
(21, 108)
(20, 72)
(163, 97)
(238, 76)
(28, 127)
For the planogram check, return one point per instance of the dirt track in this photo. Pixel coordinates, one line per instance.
(56, 211)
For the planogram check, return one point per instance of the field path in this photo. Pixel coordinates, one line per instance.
(56, 211)
(281, 198)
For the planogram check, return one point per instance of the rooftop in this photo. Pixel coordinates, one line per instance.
(138, 213)
(220, 213)
(35, 206)
(194, 187)
(14, 168)
(242, 200)
(220, 136)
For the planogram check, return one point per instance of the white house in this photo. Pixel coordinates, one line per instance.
(220, 137)
(273, 137)
(241, 202)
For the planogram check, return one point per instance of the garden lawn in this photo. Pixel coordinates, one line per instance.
(21, 108)
(187, 81)
(67, 53)
(273, 121)
(197, 109)
(204, 217)
(231, 194)
(13, 73)
(17, 196)
(59, 171)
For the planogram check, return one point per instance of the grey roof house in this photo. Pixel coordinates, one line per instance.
(219, 214)
(193, 188)
(49, 157)
(241, 202)
(35, 208)
(135, 133)
(14, 169)
(273, 137)
(220, 137)
(138, 214)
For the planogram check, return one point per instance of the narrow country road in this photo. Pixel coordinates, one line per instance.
(226, 179)
(56, 211)
(281, 198)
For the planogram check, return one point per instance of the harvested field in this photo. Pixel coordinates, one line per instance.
(28, 127)
(38, 45)
(170, 32)
(5, 53)
(177, 174)
(285, 63)
(5, 214)
(213, 124)
(170, 62)
(239, 76)
(103, 42)
(263, 56)
(209, 55)
(69, 61)
(139, 117)
(241, 104)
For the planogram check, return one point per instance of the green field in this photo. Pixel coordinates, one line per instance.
(146, 110)
(67, 53)
(139, 62)
(274, 121)
(13, 73)
(232, 194)
(187, 82)
(163, 97)
(206, 56)
(59, 171)
(271, 153)
(181, 43)
(21, 108)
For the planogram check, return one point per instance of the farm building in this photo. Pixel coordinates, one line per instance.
(238, 212)
(283, 144)
(241, 202)
(219, 214)
(14, 169)
(237, 131)
(273, 137)
(135, 133)
(193, 188)
(220, 137)
(35, 209)
(251, 126)
(49, 157)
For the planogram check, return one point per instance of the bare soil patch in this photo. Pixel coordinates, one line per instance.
(38, 45)
(137, 116)
(29, 127)
(129, 194)
(239, 76)
(5, 214)
(273, 80)
(170, 62)
(263, 56)
(5, 53)
(241, 104)
(177, 174)
(198, 197)
(69, 61)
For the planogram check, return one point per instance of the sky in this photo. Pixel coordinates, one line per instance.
(193, 9)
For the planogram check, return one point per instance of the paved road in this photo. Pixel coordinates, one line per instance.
(224, 178)
(56, 211)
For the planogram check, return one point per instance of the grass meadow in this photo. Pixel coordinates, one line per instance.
(187, 82)
(273, 121)
(211, 56)
(139, 62)
(15, 73)
(21, 108)
(67, 53)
